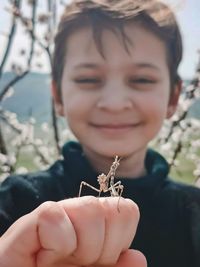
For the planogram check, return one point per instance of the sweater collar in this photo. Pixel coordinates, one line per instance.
(75, 161)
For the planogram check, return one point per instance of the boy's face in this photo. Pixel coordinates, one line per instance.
(115, 105)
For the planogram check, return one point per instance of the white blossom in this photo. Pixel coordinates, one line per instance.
(45, 127)
(3, 159)
(21, 170)
(3, 176)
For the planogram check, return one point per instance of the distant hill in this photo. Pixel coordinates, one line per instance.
(32, 96)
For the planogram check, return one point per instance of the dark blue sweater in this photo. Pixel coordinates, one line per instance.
(169, 228)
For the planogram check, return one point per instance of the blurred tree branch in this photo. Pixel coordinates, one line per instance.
(178, 135)
(16, 6)
(30, 25)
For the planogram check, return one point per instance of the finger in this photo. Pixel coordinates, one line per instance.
(87, 216)
(56, 234)
(120, 228)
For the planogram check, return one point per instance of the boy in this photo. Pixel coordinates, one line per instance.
(115, 79)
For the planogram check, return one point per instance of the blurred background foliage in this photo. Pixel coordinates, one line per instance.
(30, 133)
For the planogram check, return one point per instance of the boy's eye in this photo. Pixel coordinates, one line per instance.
(142, 81)
(87, 80)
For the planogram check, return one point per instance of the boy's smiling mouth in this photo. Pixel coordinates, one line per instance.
(113, 129)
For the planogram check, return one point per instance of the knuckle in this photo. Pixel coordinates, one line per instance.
(50, 211)
(91, 200)
(130, 209)
(92, 204)
(47, 204)
(134, 209)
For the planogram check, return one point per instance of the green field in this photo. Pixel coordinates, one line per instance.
(184, 173)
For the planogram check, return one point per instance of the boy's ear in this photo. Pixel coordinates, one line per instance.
(57, 99)
(173, 101)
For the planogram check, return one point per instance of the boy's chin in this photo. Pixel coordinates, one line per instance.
(121, 151)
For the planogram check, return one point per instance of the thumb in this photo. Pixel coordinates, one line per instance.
(20, 242)
(131, 258)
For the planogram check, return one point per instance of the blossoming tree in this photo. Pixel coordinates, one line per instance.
(179, 139)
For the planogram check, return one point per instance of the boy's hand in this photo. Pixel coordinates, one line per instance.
(74, 232)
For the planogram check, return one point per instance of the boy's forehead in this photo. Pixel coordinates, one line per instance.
(80, 40)
(81, 46)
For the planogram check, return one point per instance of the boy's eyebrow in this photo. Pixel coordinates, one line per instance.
(86, 65)
(135, 65)
(146, 65)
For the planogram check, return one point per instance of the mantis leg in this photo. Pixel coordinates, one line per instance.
(116, 190)
(88, 185)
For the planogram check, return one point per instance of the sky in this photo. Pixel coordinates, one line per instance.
(188, 16)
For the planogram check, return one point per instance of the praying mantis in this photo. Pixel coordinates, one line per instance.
(106, 182)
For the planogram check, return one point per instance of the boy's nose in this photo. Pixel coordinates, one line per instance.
(114, 100)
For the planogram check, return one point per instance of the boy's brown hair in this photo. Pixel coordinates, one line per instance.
(155, 16)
